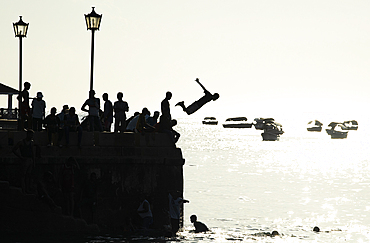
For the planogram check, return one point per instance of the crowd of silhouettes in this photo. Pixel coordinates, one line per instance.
(99, 117)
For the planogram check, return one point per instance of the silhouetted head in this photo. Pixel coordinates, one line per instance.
(215, 96)
(39, 95)
(72, 111)
(91, 93)
(316, 229)
(65, 108)
(156, 114)
(136, 113)
(274, 233)
(168, 95)
(53, 111)
(27, 85)
(105, 96)
(119, 95)
(145, 111)
(193, 218)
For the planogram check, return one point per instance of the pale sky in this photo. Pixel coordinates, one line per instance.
(264, 58)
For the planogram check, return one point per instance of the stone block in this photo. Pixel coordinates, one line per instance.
(41, 138)
(87, 139)
(107, 139)
(153, 140)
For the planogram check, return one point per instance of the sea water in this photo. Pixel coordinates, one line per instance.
(243, 188)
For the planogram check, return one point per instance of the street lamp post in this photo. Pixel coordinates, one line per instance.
(93, 23)
(20, 30)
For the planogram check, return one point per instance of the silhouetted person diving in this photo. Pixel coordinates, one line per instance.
(199, 103)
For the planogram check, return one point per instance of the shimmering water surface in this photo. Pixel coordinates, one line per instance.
(241, 186)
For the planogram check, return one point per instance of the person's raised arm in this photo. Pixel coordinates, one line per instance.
(201, 85)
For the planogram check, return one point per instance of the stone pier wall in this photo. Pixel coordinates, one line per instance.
(127, 165)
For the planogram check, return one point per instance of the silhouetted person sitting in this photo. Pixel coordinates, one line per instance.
(52, 123)
(72, 124)
(132, 121)
(199, 103)
(152, 120)
(199, 226)
(166, 126)
(142, 125)
(94, 107)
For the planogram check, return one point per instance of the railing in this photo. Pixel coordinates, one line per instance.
(6, 113)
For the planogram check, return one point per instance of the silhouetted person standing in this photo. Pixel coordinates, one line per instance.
(38, 112)
(67, 184)
(174, 210)
(120, 109)
(24, 150)
(94, 107)
(52, 123)
(72, 124)
(165, 106)
(25, 111)
(199, 103)
(108, 113)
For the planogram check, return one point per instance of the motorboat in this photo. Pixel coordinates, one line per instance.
(259, 123)
(334, 130)
(210, 120)
(350, 125)
(314, 126)
(272, 131)
(237, 122)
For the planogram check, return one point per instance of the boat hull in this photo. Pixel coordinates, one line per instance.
(314, 129)
(336, 135)
(210, 122)
(242, 125)
(270, 136)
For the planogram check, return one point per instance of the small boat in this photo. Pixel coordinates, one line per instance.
(259, 123)
(272, 131)
(314, 126)
(237, 122)
(350, 125)
(334, 131)
(210, 120)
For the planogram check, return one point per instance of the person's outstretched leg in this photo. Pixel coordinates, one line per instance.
(182, 105)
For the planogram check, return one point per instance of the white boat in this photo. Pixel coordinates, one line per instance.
(237, 122)
(272, 131)
(259, 123)
(210, 120)
(334, 131)
(314, 126)
(350, 125)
